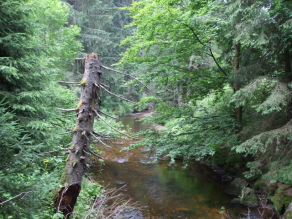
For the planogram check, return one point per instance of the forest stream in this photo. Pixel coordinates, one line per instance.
(164, 191)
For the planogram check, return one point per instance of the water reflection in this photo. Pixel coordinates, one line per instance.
(165, 191)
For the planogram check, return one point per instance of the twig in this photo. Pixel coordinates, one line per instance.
(111, 126)
(115, 94)
(110, 69)
(99, 140)
(23, 194)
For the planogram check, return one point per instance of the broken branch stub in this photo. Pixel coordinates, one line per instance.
(80, 146)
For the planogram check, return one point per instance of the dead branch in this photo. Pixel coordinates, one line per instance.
(69, 83)
(49, 152)
(23, 194)
(118, 205)
(115, 94)
(111, 126)
(96, 138)
(104, 85)
(107, 114)
(95, 154)
(110, 69)
(65, 133)
(68, 110)
(101, 135)
(64, 190)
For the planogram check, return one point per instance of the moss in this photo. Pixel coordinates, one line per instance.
(64, 178)
(288, 213)
(250, 198)
(79, 104)
(75, 128)
(55, 193)
(261, 185)
(83, 81)
(272, 189)
(72, 147)
(280, 199)
(74, 163)
(67, 158)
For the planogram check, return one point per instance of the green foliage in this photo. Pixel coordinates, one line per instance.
(36, 47)
(195, 131)
(186, 51)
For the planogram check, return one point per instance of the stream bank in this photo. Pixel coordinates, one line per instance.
(166, 191)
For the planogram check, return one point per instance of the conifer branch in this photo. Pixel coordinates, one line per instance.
(111, 126)
(110, 69)
(116, 95)
(99, 140)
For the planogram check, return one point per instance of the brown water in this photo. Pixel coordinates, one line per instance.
(164, 191)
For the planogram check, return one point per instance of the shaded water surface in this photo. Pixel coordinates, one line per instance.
(164, 191)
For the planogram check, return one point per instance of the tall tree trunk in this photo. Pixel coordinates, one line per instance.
(237, 84)
(288, 72)
(287, 63)
(80, 147)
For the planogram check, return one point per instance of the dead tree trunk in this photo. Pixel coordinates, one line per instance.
(80, 147)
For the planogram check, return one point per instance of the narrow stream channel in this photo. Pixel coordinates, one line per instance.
(164, 191)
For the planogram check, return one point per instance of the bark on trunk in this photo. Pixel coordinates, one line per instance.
(80, 147)
(237, 84)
